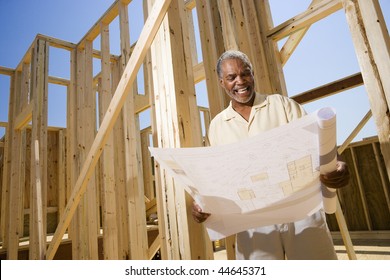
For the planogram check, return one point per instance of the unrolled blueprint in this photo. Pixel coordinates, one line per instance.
(266, 179)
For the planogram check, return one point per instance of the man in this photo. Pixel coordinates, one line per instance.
(248, 114)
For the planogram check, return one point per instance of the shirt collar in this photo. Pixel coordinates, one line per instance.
(260, 101)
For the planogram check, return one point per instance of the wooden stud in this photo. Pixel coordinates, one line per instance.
(15, 199)
(89, 130)
(121, 197)
(275, 70)
(61, 179)
(39, 93)
(133, 159)
(212, 48)
(39, 204)
(227, 25)
(7, 167)
(178, 126)
(361, 191)
(372, 45)
(72, 157)
(110, 229)
(147, 164)
(258, 46)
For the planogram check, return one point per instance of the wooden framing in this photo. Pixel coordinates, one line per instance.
(98, 179)
(39, 92)
(372, 44)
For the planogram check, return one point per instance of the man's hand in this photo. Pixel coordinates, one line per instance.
(338, 178)
(197, 213)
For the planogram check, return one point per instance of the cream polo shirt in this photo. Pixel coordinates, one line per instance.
(268, 111)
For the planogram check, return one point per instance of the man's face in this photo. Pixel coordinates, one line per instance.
(237, 80)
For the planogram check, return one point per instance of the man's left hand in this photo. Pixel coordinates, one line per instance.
(338, 178)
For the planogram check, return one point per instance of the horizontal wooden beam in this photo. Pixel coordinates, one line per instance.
(57, 43)
(6, 71)
(329, 89)
(49, 210)
(58, 81)
(305, 19)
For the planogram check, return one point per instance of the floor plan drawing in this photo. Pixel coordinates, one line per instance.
(265, 179)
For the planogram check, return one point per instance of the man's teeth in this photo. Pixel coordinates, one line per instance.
(242, 90)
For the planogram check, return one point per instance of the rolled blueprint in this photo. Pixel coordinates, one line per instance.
(328, 154)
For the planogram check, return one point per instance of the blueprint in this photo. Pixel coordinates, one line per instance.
(266, 179)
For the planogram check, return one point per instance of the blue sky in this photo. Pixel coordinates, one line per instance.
(324, 55)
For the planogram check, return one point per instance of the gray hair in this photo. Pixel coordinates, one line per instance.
(232, 54)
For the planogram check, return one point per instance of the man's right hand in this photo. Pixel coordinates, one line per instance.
(197, 213)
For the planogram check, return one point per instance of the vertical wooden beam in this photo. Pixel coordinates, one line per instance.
(109, 215)
(178, 125)
(24, 105)
(15, 192)
(164, 239)
(72, 155)
(191, 35)
(85, 245)
(39, 91)
(236, 7)
(25, 86)
(79, 242)
(61, 173)
(361, 191)
(257, 45)
(372, 46)
(168, 227)
(149, 180)
(38, 203)
(7, 167)
(147, 167)
(210, 31)
(227, 25)
(382, 174)
(121, 196)
(274, 73)
(133, 157)
(89, 118)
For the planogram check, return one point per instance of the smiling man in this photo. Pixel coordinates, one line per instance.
(248, 114)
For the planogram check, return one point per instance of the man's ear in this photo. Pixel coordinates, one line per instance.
(221, 83)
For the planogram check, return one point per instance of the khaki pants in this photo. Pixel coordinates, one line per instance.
(307, 239)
